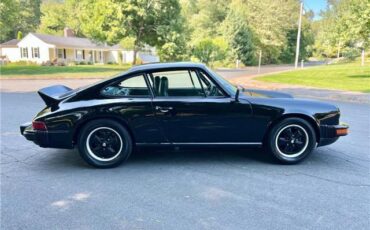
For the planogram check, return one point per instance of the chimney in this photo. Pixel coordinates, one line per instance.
(68, 32)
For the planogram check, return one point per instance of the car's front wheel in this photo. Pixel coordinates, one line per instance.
(291, 140)
(104, 143)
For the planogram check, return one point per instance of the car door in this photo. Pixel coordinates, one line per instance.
(131, 99)
(191, 114)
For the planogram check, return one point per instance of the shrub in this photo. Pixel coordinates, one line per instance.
(24, 63)
(60, 63)
(46, 63)
(351, 53)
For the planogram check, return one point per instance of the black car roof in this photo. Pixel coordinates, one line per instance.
(164, 65)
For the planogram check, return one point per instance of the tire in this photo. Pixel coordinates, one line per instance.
(291, 140)
(104, 143)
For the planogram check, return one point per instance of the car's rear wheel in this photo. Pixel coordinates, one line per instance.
(291, 140)
(104, 143)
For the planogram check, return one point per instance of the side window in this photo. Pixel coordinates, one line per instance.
(176, 83)
(129, 87)
(210, 88)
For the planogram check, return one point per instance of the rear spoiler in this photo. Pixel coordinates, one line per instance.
(52, 95)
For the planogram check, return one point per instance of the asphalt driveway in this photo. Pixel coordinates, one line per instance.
(198, 189)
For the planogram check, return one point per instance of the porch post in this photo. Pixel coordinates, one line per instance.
(93, 56)
(55, 53)
(102, 56)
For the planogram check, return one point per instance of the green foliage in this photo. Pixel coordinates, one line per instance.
(209, 50)
(128, 43)
(240, 38)
(345, 24)
(19, 35)
(58, 15)
(154, 23)
(173, 51)
(351, 53)
(243, 46)
(204, 16)
(288, 53)
(18, 15)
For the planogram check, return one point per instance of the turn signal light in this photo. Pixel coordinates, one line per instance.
(341, 132)
(39, 125)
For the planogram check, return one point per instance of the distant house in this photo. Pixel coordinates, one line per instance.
(41, 48)
(9, 50)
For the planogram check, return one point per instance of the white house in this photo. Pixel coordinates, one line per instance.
(10, 50)
(41, 48)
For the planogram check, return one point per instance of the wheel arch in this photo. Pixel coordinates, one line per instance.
(80, 125)
(305, 117)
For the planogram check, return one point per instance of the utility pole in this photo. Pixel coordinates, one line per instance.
(298, 37)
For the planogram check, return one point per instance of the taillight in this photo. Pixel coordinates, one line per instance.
(39, 125)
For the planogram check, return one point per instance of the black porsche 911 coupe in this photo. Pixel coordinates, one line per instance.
(178, 104)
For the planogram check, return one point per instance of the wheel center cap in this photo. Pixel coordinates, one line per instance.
(104, 144)
(292, 141)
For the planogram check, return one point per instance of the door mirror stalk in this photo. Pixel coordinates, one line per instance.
(237, 95)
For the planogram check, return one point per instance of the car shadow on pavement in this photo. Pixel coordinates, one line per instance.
(205, 156)
(71, 158)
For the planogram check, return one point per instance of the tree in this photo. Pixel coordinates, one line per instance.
(58, 15)
(8, 15)
(208, 50)
(19, 35)
(269, 21)
(240, 38)
(148, 22)
(18, 15)
(288, 52)
(204, 16)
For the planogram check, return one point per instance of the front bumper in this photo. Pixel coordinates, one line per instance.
(331, 133)
(47, 139)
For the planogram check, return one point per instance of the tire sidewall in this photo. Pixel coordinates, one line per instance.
(125, 136)
(281, 125)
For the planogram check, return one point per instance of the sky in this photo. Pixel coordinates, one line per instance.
(315, 6)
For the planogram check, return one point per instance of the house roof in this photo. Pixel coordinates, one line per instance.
(10, 43)
(73, 42)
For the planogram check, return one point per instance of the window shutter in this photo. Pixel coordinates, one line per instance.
(32, 51)
(21, 52)
(83, 54)
(64, 54)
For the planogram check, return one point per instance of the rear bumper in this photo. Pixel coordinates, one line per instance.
(331, 133)
(47, 139)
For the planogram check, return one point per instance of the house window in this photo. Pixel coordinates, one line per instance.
(24, 52)
(79, 54)
(61, 53)
(35, 52)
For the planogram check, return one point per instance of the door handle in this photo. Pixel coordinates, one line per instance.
(163, 109)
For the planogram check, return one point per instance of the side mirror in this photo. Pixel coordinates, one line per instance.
(237, 95)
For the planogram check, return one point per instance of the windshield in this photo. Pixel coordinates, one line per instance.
(229, 86)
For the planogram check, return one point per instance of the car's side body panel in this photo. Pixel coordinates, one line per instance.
(204, 120)
(188, 120)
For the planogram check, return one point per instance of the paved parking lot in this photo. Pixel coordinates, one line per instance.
(197, 189)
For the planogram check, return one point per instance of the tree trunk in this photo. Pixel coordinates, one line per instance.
(363, 57)
(134, 57)
(338, 52)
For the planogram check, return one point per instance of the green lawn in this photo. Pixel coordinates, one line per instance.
(349, 77)
(34, 71)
